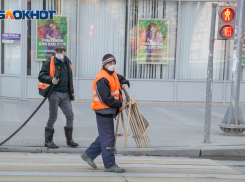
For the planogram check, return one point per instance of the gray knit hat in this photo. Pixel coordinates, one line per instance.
(108, 58)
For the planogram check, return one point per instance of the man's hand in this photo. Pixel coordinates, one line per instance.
(125, 87)
(124, 105)
(73, 96)
(55, 81)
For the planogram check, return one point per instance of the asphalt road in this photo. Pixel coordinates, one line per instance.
(70, 167)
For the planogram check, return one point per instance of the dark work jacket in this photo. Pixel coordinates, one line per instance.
(104, 92)
(45, 78)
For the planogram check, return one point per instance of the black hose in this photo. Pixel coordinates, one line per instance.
(57, 76)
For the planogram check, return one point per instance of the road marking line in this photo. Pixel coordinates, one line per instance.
(180, 180)
(54, 178)
(137, 170)
(108, 179)
(203, 163)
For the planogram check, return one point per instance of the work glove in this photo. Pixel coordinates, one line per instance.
(55, 81)
(125, 87)
(73, 96)
(124, 105)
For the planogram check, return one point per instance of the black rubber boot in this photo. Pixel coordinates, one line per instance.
(49, 138)
(69, 140)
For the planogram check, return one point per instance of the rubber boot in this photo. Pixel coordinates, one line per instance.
(69, 140)
(49, 138)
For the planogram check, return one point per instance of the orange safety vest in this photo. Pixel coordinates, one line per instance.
(115, 90)
(44, 86)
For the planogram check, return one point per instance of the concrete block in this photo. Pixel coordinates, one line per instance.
(224, 151)
(21, 149)
(166, 152)
(76, 150)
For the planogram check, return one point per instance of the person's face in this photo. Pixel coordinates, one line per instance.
(152, 29)
(60, 52)
(51, 25)
(110, 64)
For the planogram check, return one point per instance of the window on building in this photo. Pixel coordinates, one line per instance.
(194, 43)
(62, 30)
(152, 36)
(11, 51)
(102, 31)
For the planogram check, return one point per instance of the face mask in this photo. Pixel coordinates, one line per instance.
(59, 56)
(111, 68)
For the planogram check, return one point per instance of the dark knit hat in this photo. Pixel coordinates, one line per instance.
(108, 58)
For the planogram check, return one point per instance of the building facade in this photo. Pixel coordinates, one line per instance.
(176, 72)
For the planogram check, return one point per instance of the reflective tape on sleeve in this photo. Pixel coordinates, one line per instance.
(116, 92)
(96, 99)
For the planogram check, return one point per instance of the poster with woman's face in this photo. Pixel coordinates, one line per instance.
(153, 41)
(50, 33)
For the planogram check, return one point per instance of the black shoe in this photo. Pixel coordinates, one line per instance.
(69, 140)
(115, 169)
(89, 160)
(49, 138)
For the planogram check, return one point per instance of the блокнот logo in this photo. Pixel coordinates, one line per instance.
(29, 14)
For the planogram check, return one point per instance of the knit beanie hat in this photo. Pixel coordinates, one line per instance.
(108, 58)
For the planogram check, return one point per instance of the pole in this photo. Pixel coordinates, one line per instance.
(233, 121)
(209, 85)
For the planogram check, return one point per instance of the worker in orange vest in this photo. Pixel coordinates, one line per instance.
(107, 102)
(61, 95)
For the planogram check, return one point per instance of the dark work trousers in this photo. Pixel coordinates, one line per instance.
(105, 139)
(64, 102)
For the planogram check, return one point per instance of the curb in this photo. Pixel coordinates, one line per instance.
(224, 151)
(165, 152)
(143, 102)
(221, 151)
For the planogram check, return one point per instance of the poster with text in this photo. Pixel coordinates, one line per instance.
(50, 33)
(153, 41)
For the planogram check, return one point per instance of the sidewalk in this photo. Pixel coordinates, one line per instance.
(175, 130)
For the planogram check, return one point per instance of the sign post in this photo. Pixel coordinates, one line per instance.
(233, 122)
(209, 84)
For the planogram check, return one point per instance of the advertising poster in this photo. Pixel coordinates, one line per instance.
(49, 33)
(243, 49)
(153, 41)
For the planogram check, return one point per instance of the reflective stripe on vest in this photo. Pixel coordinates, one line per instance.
(44, 86)
(112, 94)
(97, 99)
